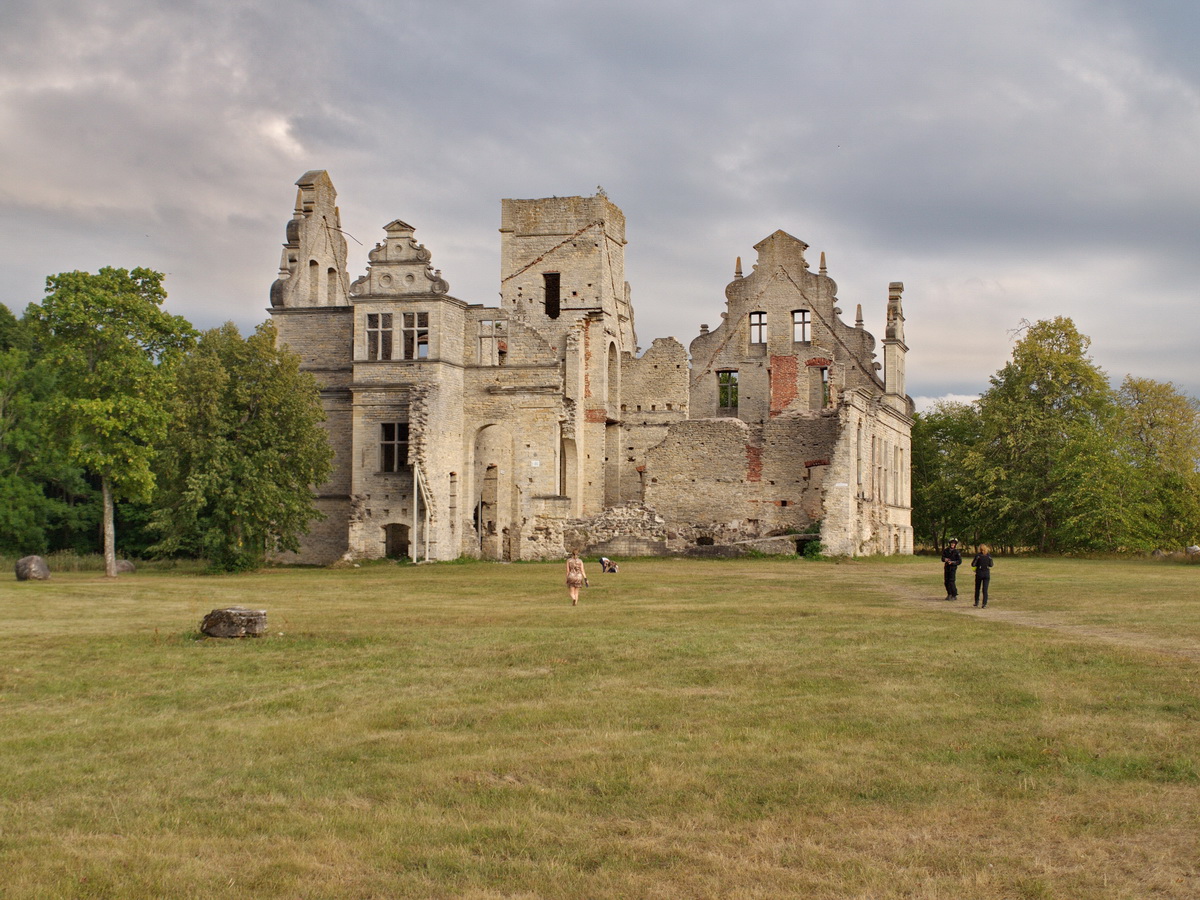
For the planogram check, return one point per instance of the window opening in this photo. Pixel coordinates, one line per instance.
(416, 335)
(493, 347)
(858, 457)
(314, 283)
(727, 389)
(553, 297)
(393, 446)
(379, 335)
(800, 326)
(758, 327)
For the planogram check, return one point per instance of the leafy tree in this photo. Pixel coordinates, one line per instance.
(37, 481)
(941, 438)
(1042, 409)
(11, 334)
(244, 450)
(1160, 428)
(111, 347)
(1100, 501)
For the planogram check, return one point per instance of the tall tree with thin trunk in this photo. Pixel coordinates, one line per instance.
(112, 347)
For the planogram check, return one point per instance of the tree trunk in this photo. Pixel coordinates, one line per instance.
(109, 532)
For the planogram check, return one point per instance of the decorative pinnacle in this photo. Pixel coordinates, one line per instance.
(737, 269)
(858, 319)
(823, 272)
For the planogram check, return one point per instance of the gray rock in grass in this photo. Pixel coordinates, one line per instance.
(235, 622)
(32, 568)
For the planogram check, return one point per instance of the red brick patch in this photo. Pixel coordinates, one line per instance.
(753, 463)
(783, 382)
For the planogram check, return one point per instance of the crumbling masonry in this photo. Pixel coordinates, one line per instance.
(518, 431)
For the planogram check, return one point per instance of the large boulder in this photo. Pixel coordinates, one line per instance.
(125, 567)
(235, 622)
(32, 568)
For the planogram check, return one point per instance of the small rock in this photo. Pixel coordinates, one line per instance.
(32, 568)
(235, 622)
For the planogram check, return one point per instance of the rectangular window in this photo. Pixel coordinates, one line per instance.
(553, 297)
(379, 335)
(493, 346)
(758, 327)
(727, 389)
(416, 335)
(824, 387)
(393, 446)
(800, 323)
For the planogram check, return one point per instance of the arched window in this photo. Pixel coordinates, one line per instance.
(314, 283)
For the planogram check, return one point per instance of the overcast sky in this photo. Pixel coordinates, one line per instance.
(1007, 161)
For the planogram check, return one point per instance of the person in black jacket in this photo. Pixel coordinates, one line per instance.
(982, 564)
(951, 560)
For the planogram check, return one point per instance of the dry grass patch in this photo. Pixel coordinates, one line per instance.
(763, 728)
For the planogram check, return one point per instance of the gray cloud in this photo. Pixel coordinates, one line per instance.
(1005, 161)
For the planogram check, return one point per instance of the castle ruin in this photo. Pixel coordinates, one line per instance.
(515, 432)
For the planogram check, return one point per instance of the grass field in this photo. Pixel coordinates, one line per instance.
(738, 729)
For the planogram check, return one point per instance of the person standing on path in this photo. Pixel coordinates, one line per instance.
(951, 560)
(576, 576)
(982, 564)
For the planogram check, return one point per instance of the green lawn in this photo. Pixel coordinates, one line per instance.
(763, 728)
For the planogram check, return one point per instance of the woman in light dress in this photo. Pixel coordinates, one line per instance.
(576, 577)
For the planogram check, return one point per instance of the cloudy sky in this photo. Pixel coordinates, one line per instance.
(1007, 161)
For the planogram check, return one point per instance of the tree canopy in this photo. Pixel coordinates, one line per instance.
(242, 453)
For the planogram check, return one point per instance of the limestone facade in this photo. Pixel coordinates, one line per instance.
(517, 431)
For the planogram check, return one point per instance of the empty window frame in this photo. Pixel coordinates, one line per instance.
(393, 446)
(379, 335)
(415, 331)
(727, 389)
(493, 347)
(801, 324)
(758, 327)
(553, 296)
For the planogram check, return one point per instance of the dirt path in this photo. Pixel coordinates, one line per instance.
(1128, 639)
